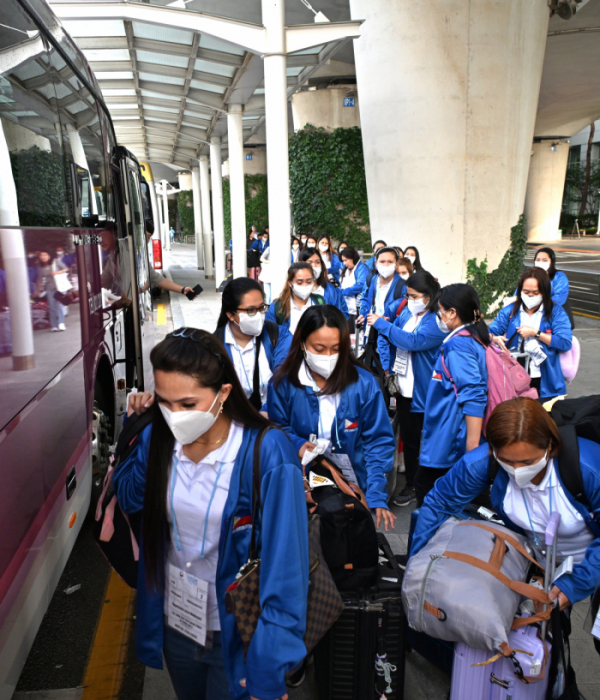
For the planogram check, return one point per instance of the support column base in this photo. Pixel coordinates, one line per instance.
(23, 362)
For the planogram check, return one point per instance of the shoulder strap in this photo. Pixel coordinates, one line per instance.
(273, 331)
(398, 288)
(220, 334)
(401, 306)
(256, 491)
(255, 396)
(317, 299)
(569, 466)
(132, 429)
(278, 312)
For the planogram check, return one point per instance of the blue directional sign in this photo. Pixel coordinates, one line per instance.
(348, 101)
(249, 156)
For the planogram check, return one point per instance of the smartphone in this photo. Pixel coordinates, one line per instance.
(194, 293)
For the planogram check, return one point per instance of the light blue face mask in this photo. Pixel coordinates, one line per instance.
(441, 324)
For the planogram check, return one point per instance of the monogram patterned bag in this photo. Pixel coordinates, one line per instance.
(324, 603)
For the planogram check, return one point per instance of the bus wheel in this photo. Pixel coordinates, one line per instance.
(100, 445)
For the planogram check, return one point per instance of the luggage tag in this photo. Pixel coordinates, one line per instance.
(565, 568)
(187, 605)
(401, 362)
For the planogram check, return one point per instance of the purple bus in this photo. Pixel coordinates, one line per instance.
(75, 309)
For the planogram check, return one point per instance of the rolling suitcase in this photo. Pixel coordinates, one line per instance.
(362, 655)
(521, 677)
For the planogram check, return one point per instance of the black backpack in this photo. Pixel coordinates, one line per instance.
(118, 534)
(348, 535)
(273, 331)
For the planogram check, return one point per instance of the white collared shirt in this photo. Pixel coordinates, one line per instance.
(381, 292)
(453, 333)
(574, 536)
(190, 495)
(531, 345)
(296, 312)
(349, 280)
(328, 403)
(243, 361)
(407, 380)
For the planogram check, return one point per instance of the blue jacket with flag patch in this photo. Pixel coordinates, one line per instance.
(361, 428)
(445, 427)
(277, 645)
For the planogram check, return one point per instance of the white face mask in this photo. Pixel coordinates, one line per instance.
(252, 325)
(542, 264)
(310, 245)
(441, 324)
(523, 475)
(323, 247)
(385, 270)
(531, 302)
(302, 291)
(303, 240)
(416, 306)
(188, 426)
(412, 258)
(323, 365)
(317, 270)
(295, 246)
(404, 276)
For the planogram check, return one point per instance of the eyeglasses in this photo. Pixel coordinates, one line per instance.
(253, 310)
(203, 340)
(439, 313)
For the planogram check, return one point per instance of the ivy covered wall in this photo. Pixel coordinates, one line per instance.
(328, 186)
(257, 209)
(185, 205)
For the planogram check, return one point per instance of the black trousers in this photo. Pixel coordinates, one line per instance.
(411, 427)
(425, 480)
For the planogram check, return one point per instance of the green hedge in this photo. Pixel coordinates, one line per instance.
(328, 185)
(185, 204)
(501, 282)
(257, 206)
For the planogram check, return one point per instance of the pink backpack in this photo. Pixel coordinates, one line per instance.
(569, 361)
(507, 379)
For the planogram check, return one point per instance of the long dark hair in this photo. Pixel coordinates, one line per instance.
(417, 263)
(464, 300)
(353, 255)
(552, 255)
(286, 292)
(425, 283)
(545, 290)
(345, 372)
(233, 294)
(305, 255)
(203, 357)
(325, 237)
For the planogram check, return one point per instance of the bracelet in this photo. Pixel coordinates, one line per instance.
(183, 290)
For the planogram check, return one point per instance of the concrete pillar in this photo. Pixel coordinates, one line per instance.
(328, 108)
(545, 187)
(206, 220)
(448, 97)
(197, 217)
(80, 159)
(216, 179)
(276, 112)
(236, 187)
(166, 227)
(15, 266)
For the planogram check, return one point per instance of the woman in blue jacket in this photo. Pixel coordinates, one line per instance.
(526, 489)
(191, 476)
(261, 243)
(332, 294)
(241, 327)
(534, 324)
(331, 260)
(296, 297)
(352, 281)
(545, 258)
(457, 394)
(415, 339)
(322, 392)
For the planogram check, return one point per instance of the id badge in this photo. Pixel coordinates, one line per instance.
(401, 362)
(187, 604)
(344, 464)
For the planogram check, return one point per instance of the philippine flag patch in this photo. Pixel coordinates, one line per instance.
(242, 523)
(350, 425)
(437, 376)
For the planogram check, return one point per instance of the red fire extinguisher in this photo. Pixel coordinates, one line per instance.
(157, 254)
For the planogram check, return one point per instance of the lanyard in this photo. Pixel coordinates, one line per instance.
(336, 404)
(212, 496)
(535, 537)
(250, 384)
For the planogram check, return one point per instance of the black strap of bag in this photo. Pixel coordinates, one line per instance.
(255, 399)
(560, 658)
(256, 491)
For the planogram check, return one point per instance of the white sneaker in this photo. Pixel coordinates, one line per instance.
(54, 330)
(62, 327)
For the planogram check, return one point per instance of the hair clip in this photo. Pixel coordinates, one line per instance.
(188, 334)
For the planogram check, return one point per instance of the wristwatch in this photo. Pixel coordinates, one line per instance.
(183, 290)
(537, 335)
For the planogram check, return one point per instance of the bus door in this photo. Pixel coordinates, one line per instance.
(139, 271)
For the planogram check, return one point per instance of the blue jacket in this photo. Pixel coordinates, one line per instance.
(259, 245)
(368, 299)
(360, 275)
(362, 429)
(445, 427)
(424, 344)
(286, 321)
(559, 288)
(333, 295)
(370, 263)
(469, 477)
(552, 381)
(335, 266)
(277, 645)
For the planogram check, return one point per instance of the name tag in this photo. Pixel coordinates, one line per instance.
(344, 464)
(187, 604)
(401, 363)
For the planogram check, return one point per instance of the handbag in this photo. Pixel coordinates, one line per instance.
(392, 384)
(62, 283)
(242, 598)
